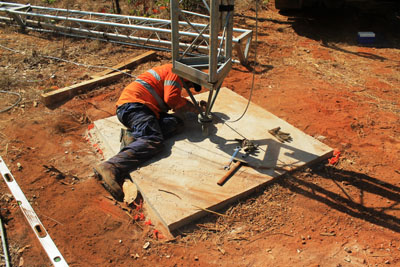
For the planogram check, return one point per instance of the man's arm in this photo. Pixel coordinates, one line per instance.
(190, 107)
(173, 86)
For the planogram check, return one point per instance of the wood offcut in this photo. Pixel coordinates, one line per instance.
(127, 64)
(69, 92)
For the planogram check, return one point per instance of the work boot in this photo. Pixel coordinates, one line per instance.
(107, 173)
(126, 137)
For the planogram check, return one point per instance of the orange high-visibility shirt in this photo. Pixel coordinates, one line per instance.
(166, 84)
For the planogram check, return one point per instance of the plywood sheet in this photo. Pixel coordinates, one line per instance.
(182, 181)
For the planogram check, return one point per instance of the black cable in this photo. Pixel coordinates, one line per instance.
(254, 67)
(13, 105)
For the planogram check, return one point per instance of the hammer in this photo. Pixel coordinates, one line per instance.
(249, 148)
(231, 171)
(239, 162)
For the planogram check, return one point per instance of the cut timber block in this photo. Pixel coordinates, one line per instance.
(127, 64)
(69, 92)
(130, 192)
(181, 182)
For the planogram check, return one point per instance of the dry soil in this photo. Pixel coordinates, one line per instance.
(310, 70)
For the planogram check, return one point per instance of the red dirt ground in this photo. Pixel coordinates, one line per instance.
(310, 71)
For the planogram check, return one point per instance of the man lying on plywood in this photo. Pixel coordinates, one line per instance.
(142, 108)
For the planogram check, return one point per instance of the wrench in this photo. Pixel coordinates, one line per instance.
(228, 166)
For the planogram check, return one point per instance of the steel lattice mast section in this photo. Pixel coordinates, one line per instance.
(202, 52)
(207, 70)
(144, 32)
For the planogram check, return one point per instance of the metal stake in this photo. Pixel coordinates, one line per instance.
(4, 242)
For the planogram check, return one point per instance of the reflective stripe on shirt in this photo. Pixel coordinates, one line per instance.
(164, 107)
(155, 74)
(173, 83)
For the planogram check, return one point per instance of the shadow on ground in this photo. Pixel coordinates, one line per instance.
(331, 27)
(342, 26)
(344, 202)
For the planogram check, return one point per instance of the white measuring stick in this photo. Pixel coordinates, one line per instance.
(41, 233)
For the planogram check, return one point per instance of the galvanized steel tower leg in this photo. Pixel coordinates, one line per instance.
(208, 71)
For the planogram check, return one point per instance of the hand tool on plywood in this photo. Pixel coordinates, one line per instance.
(249, 147)
(230, 172)
(239, 162)
(281, 136)
(228, 166)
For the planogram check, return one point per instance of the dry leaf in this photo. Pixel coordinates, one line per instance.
(22, 249)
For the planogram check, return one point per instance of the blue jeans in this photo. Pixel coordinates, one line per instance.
(149, 132)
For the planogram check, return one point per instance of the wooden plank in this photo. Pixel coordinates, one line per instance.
(127, 64)
(68, 92)
(181, 182)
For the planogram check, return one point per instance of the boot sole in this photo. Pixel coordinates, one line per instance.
(107, 187)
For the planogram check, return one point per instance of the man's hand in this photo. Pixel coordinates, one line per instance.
(190, 107)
